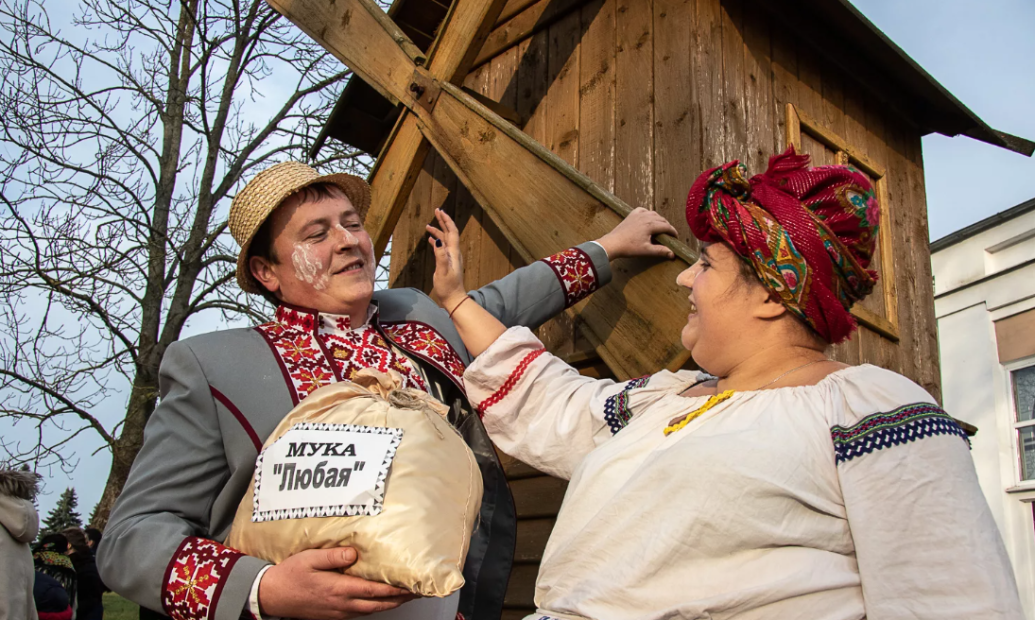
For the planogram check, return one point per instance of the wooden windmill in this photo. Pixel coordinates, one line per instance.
(551, 117)
(542, 204)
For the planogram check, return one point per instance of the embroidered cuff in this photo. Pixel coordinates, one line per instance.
(901, 426)
(253, 598)
(195, 578)
(576, 273)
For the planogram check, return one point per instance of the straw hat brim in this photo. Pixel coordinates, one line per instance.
(356, 190)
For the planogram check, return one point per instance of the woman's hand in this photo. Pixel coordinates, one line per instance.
(632, 237)
(448, 288)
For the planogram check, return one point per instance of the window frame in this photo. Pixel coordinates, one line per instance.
(799, 121)
(1015, 426)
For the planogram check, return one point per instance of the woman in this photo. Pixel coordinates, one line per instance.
(782, 484)
(50, 555)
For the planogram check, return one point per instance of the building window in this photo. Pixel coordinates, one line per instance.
(1023, 380)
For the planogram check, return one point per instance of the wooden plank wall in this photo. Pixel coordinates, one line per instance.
(642, 95)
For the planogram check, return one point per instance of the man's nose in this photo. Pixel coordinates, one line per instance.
(345, 238)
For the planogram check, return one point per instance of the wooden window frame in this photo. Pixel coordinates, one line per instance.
(798, 122)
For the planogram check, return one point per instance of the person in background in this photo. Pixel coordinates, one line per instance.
(93, 538)
(51, 558)
(89, 587)
(51, 599)
(20, 524)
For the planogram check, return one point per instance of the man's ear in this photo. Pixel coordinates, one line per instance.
(263, 271)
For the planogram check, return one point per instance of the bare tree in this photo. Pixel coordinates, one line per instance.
(123, 137)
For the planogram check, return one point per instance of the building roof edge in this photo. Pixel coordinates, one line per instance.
(983, 225)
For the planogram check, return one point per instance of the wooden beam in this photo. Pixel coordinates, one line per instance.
(359, 34)
(461, 36)
(543, 205)
(531, 19)
(392, 180)
(510, 114)
(449, 59)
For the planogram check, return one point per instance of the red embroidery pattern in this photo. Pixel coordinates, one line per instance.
(353, 350)
(317, 350)
(511, 381)
(293, 340)
(576, 273)
(424, 341)
(195, 577)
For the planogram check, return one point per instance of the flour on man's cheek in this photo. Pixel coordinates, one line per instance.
(308, 267)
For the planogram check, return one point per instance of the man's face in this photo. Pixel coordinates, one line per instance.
(325, 260)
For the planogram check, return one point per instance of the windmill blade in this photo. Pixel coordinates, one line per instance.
(393, 179)
(541, 203)
(460, 37)
(361, 35)
(544, 205)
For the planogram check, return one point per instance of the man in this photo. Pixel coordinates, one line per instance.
(303, 246)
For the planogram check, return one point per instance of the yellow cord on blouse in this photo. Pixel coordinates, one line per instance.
(696, 413)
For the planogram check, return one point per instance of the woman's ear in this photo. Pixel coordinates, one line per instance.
(768, 305)
(263, 271)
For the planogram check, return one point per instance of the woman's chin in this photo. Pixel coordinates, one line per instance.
(688, 338)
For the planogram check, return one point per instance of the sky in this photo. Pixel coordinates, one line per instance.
(982, 52)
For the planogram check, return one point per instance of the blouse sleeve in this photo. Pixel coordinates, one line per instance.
(535, 407)
(925, 540)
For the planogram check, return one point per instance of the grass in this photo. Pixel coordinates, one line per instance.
(118, 608)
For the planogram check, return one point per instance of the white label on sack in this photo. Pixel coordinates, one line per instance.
(324, 470)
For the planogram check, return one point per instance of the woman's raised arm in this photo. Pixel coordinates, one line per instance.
(477, 327)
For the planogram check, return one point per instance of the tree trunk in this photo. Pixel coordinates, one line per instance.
(142, 401)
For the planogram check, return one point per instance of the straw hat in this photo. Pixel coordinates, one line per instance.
(266, 191)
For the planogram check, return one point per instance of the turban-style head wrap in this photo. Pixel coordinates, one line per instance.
(809, 233)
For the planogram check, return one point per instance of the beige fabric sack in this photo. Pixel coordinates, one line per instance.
(432, 490)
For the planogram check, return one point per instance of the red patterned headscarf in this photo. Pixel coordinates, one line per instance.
(809, 233)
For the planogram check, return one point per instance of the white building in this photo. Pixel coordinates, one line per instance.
(984, 298)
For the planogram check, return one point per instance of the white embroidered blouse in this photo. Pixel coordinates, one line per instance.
(852, 498)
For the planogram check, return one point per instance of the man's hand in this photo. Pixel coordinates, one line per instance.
(633, 236)
(309, 585)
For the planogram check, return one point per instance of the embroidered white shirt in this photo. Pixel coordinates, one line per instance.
(752, 510)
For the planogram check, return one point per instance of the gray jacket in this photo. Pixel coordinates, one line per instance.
(223, 393)
(20, 526)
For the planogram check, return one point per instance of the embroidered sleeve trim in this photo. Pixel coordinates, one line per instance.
(901, 426)
(195, 578)
(616, 408)
(511, 381)
(575, 271)
(426, 343)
